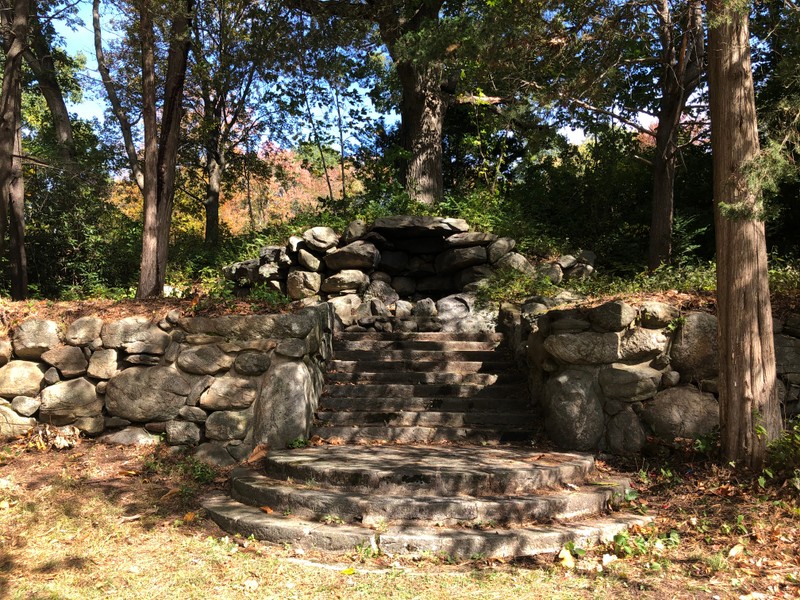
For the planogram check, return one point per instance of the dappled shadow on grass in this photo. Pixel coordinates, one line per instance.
(62, 505)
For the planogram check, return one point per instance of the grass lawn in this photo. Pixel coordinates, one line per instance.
(96, 521)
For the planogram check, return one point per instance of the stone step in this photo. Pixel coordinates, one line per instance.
(423, 355)
(484, 419)
(236, 517)
(423, 390)
(417, 404)
(421, 336)
(366, 434)
(426, 345)
(419, 377)
(499, 365)
(438, 471)
(366, 508)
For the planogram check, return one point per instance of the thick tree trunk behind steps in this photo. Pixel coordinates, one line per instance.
(422, 111)
(749, 411)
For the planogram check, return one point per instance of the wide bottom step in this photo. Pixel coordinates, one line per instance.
(244, 520)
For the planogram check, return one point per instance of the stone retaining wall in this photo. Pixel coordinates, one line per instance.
(401, 257)
(222, 384)
(617, 377)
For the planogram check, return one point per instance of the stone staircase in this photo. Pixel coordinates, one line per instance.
(424, 387)
(430, 451)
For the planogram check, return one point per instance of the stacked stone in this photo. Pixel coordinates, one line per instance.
(403, 257)
(613, 376)
(224, 384)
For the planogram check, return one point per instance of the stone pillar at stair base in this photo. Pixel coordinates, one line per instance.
(284, 410)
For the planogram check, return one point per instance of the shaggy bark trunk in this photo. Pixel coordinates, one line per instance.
(422, 111)
(749, 411)
(12, 189)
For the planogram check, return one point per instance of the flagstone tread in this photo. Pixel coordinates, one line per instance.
(443, 470)
(421, 355)
(420, 336)
(366, 507)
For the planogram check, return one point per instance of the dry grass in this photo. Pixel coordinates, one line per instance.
(99, 522)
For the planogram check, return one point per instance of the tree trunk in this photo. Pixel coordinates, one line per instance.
(148, 274)
(422, 111)
(664, 182)
(39, 57)
(160, 151)
(172, 111)
(211, 200)
(749, 411)
(12, 190)
(19, 259)
(682, 68)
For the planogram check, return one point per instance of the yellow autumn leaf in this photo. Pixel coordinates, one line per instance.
(348, 571)
(189, 517)
(565, 559)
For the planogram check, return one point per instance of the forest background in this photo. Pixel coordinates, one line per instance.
(317, 112)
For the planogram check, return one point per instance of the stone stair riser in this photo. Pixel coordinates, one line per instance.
(423, 390)
(424, 366)
(443, 404)
(369, 509)
(424, 419)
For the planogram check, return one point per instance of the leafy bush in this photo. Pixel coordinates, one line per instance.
(508, 285)
(783, 455)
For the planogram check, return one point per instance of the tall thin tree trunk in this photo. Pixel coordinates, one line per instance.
(680, 77)
(664, 163)
(211, 200)
(148, 274)
(172, 112)
(19, 259)
(341, 140)
(749, 411)
(14, 20)
(39, 57)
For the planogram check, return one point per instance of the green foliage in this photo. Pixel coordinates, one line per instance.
(783, 455)
(509, 285)
(299, 442)
(78, 244)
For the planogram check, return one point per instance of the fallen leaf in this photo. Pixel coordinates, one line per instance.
(4, 505)
(735, 551)
(172, 492)
(348, 571)
(266, 509)
(258, 454)
(189, 517)
(609, 558)
(565, 559)
(250, 584)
